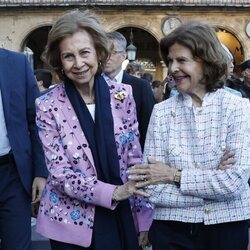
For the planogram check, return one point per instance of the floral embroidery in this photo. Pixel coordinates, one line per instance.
(142, 202)
(86, 198)
(131, 136)
(120, 95)
(75, 214)
(127, 138)
(53, 197)
(123, 139)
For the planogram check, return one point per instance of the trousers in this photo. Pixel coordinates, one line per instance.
(15, 210)
(173, 235)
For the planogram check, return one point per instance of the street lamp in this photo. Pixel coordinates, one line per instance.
(131, 49)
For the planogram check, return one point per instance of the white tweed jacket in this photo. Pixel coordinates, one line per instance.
(193, 139)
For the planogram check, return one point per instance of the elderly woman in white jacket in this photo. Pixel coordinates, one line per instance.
(199, 204)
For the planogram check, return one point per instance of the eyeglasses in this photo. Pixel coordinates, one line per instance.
(114, 52)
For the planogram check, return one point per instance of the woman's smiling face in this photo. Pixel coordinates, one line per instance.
(79, 58)
(186, 70)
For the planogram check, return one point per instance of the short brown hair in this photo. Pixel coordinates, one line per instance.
(204, 44)
(70, 23)
(132, 68)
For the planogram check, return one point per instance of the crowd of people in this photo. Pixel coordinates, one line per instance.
(115, 159)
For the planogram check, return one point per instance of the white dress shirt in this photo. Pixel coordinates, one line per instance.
(193, 139)
(117, 78)
(4, 141)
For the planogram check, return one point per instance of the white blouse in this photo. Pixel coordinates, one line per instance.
(91, 108)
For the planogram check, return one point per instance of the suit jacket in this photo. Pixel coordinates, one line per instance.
(19, 91)
(72, 191)
(144, 100)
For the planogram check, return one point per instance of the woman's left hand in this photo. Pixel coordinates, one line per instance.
(124, 191)
(227, 160)
(143, 239)
(154, 172)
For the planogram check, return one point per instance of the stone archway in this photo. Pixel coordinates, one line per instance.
(36, 42)
(147, 48)
(119, 22)
(233, 44)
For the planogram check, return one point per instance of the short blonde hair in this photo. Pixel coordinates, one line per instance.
(70, 23)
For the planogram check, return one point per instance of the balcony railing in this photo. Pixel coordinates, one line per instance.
(20, 3)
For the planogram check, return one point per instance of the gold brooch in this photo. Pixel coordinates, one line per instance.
(120, 95)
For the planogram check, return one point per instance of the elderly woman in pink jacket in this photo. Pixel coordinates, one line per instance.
(89, 132)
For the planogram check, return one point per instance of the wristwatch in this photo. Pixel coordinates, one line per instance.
(177, 178)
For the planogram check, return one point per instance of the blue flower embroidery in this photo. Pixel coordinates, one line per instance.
(53, 197)
(75, 215)
(43, 97)
(127, 138)
(123, 139)
(131, 136)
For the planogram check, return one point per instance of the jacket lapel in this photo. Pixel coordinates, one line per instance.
(70, 116)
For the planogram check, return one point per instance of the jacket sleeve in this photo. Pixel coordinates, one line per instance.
(225, 184)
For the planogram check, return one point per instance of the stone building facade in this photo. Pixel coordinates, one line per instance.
(20, 18)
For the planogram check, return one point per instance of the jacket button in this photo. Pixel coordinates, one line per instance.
(197, 164)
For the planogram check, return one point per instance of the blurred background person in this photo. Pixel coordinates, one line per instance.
(158, 90)
(142, 91)
(201, 194)
(169, 88)
(231, 83)
(43, 78)
(245, 71)
(135, 69)
(147, 76)
(90, 137)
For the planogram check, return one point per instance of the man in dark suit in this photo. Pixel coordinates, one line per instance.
(142, 91)
(22, 164)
